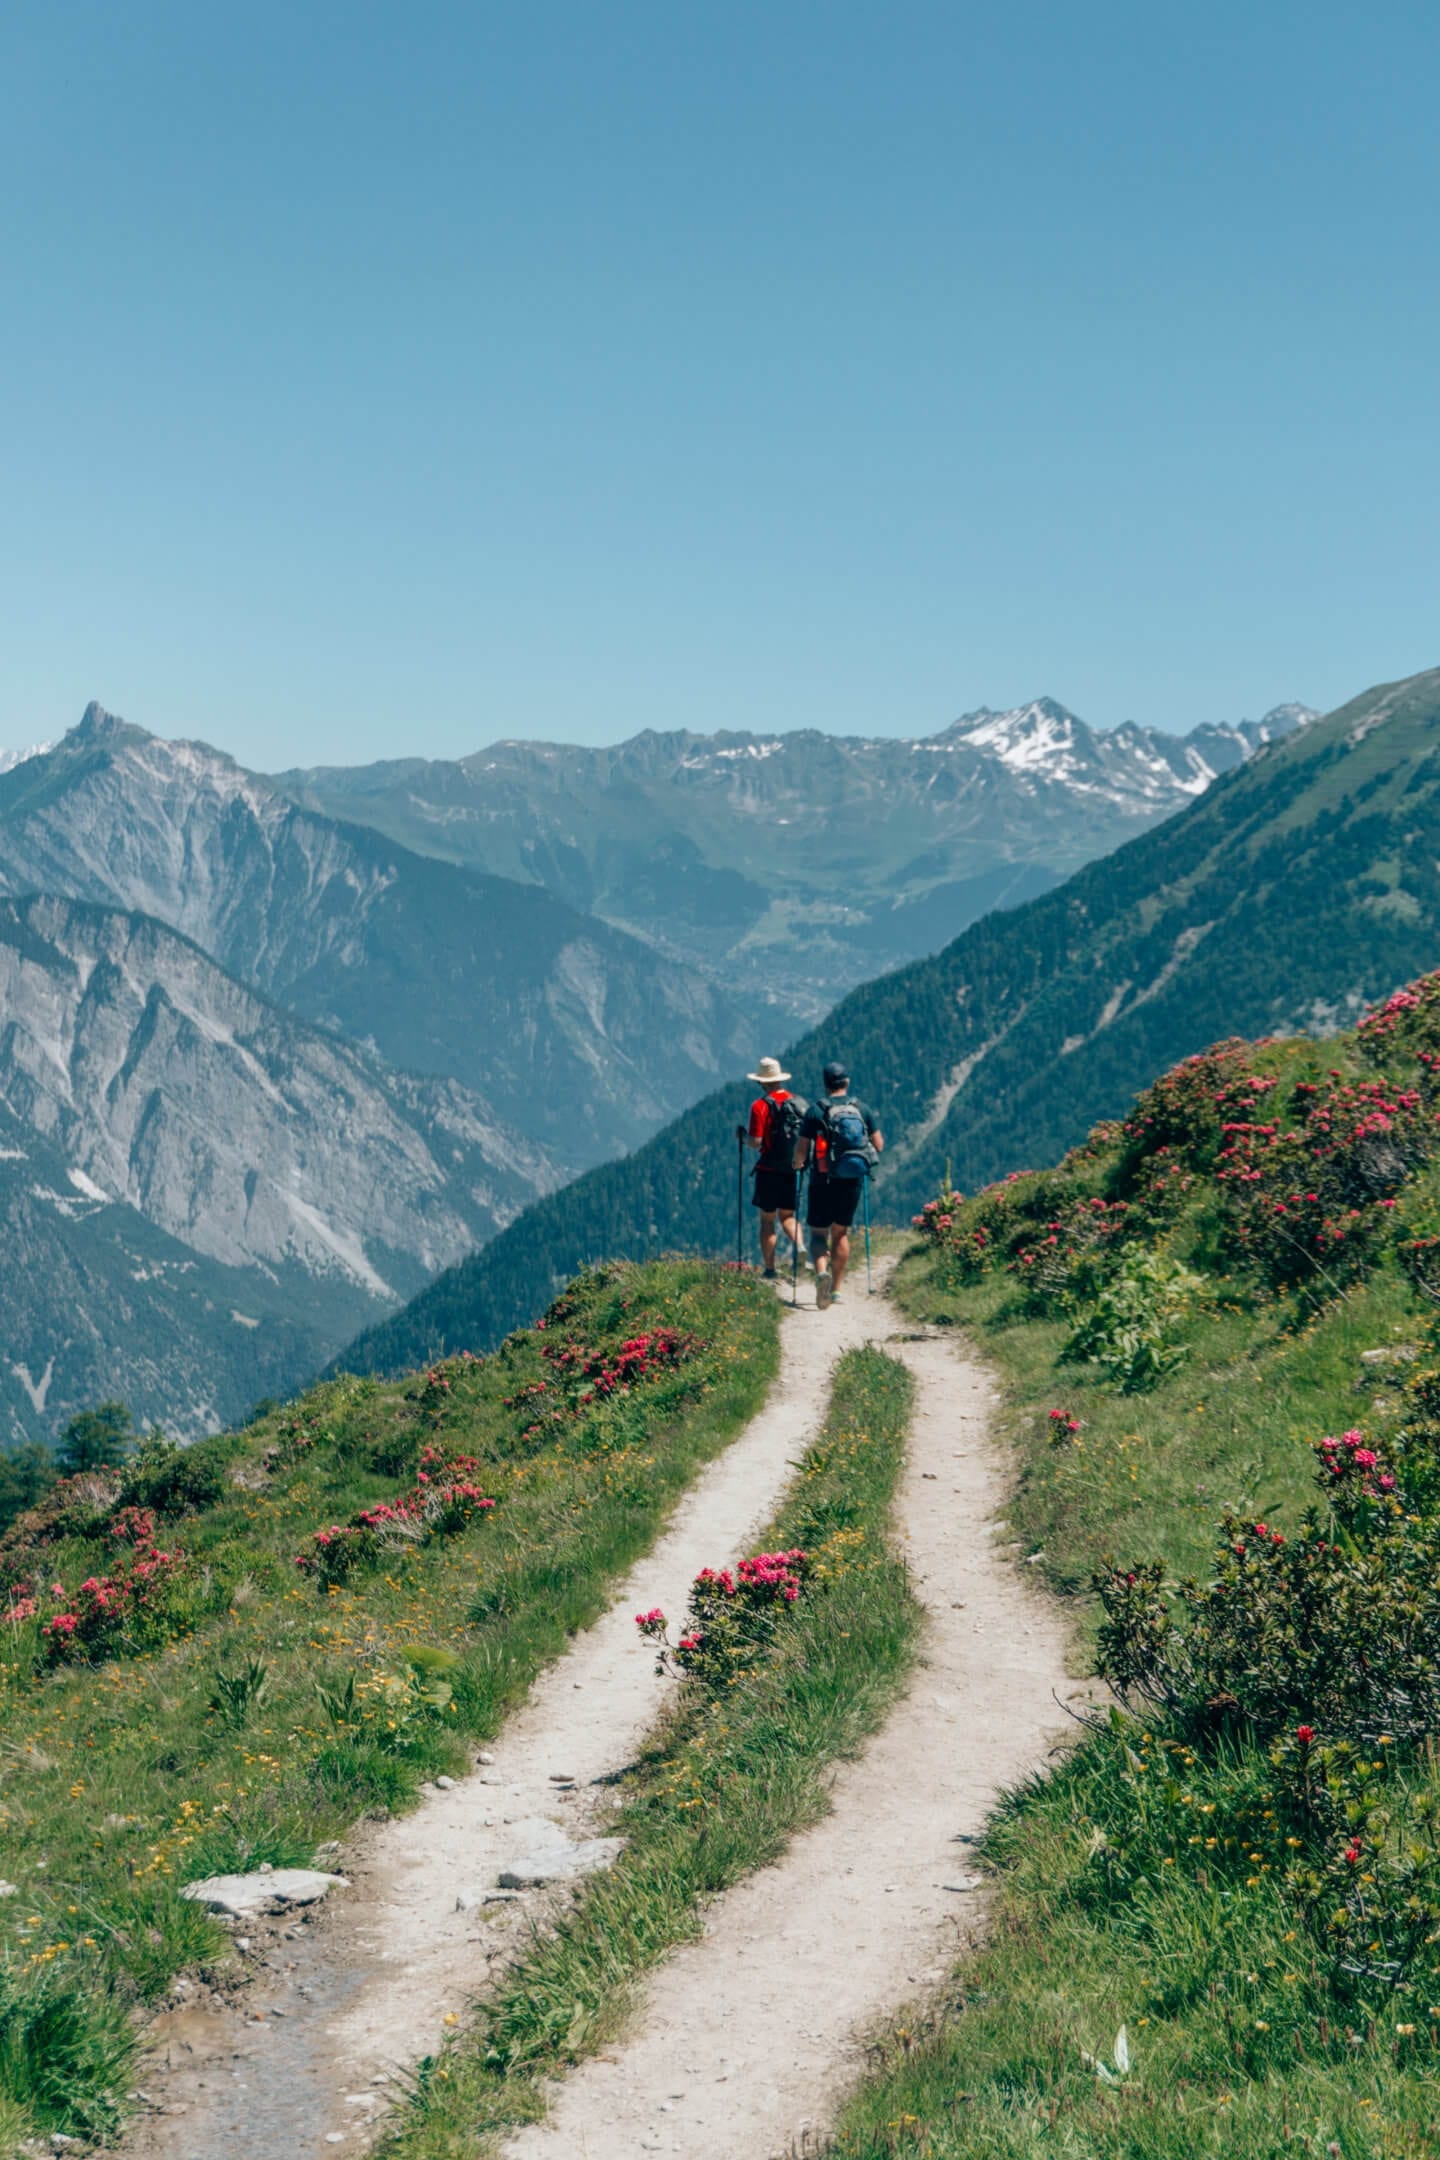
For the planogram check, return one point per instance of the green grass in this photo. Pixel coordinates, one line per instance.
(120, 1782)
(728, 1781)
(1110, 1908)
(1150, 1474)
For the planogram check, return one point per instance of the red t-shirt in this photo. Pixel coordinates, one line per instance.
(766, 1128)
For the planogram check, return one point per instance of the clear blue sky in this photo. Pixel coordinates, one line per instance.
(381, 379)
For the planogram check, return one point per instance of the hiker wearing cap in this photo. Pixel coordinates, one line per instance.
(774, 1131)
(841, 1143)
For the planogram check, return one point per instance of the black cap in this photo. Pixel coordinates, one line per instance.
(835, 1077)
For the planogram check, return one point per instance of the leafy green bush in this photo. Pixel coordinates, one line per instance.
(174, 1480)
(1130, 1330)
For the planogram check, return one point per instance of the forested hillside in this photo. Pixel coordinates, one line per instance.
(1300, 887)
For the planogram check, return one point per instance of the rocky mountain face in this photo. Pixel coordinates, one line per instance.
(795, 865)
(582, 1038)
(201, 1196)
(1297, 888)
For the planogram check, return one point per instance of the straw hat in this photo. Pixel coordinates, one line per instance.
(769, 1073)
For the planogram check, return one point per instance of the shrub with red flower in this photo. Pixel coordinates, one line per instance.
(1068, 1261)
(138, 1606)
(132, 1526)
(1337, 1623)
(732, 1618)
(444, 1500)
(584, 1377)
(1316, 1196)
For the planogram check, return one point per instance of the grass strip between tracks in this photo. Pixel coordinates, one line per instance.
(728, 1781)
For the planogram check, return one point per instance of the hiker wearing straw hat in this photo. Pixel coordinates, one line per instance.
(774, 1128)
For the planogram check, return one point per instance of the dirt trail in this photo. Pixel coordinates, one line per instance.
(299, 2067)
(745, 2039)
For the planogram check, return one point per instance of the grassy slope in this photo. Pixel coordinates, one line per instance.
(119, 1782)
(729, 1779)
(1112, 1908)
(1297, 887)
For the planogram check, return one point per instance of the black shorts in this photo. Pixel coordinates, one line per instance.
(774, 1191)
(833, 1202)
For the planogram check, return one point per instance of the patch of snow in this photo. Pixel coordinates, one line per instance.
(13, 1154)
(1027, 740)
(66, 1204)
(243, 1319)
(37, 1390)
(87, 1187)
(9, 759)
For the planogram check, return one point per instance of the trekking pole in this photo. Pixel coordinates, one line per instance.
(739, 1197)
(869, 1286)
(795, 1241)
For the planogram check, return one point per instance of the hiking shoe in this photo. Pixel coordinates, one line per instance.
(823, 1291)
(768, 1275)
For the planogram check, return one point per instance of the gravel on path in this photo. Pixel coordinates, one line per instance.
(745, 2040)
(297, 2066)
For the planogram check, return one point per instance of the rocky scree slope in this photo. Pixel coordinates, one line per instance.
(1296, 889)
(796, 865)
(200, 1195)
(577, 1034)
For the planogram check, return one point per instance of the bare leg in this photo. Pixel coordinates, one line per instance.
(767, 1239)
(840, 1254)
(790, 1227)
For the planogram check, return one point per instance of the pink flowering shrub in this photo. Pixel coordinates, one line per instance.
(732, 1619)
(1314, 1196)
(142, 1604)
(444, 1500)
(1336, 1624)
(131, 1526)
(1068, 1260)
(583, 1378)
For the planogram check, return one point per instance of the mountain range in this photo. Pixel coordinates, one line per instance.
(264, 1070)
(577, 1033)
(793, 866)
(1297, 888)
(199, 1194)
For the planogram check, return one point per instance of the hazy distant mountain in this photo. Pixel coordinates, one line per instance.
(201, 1197)
(582, 1037)
(1288, 895)
(795, 865)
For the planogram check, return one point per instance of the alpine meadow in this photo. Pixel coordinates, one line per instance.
(719, 1083)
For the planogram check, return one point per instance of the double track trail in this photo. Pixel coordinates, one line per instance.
(744, 2038)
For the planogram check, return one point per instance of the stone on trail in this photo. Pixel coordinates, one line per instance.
(547, 1855)
(267, 1890)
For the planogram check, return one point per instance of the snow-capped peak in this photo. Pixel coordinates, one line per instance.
(1131, 766)
(9, 759)
(1039, 737)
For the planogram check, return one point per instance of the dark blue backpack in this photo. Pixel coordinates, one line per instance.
(850, 1153)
